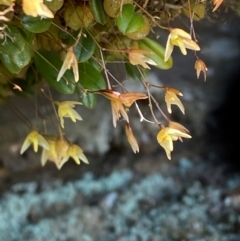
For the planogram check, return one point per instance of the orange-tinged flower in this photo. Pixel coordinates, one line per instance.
(131, 138)
(182, 39)
(166, 136)
(129, 98)
(119, 101)
(118, 110)
(172, 99)
(69, 61)
(65, 109)
(36, 139)
(36, 8)
(201, 66)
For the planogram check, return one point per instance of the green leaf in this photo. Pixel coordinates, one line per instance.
(90, 78)
(95, 64)
(13, 42)
(49, 65)
(89, 100)
(85, 48)
(22, 59)
(28, 36)
(129, 21)
(135, 71)
(98, 11)
(156, 53)
(36, 24)
(54, 5)
(15, 63)
(66, 38)
(9, 64)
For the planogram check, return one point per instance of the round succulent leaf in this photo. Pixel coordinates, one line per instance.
(13, 42)
(36, 24)
(54, 5)
(89, 100)
(98, 11)
(90, 78)
(129, 21)
(49, 65)
(85, 48)
(112, 7)
(9, 64)
(78, 17)
(14, 63)
(156, 53)
(22, 59)
(142, 32)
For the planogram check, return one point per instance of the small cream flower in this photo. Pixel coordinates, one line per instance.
(166, 136)
(69, 61)
(36, 139)
(36, 8)
(76, 153)
(172, 99)
(182, 39)
(65, 109)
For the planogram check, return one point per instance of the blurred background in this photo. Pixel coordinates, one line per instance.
(122, 196)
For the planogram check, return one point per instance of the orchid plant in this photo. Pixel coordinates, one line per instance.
(64, 45)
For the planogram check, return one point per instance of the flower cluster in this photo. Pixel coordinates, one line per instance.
(55, 149)
(60, 151)
(67, 45)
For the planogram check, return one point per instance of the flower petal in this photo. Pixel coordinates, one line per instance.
(25, 145)
(73, 115)
(128, 98)
(178, 32)
(131, 138)
(172, 99)
(83, 157)
(43, 143)
(190, 44)
(45, 12)
(168, 50)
